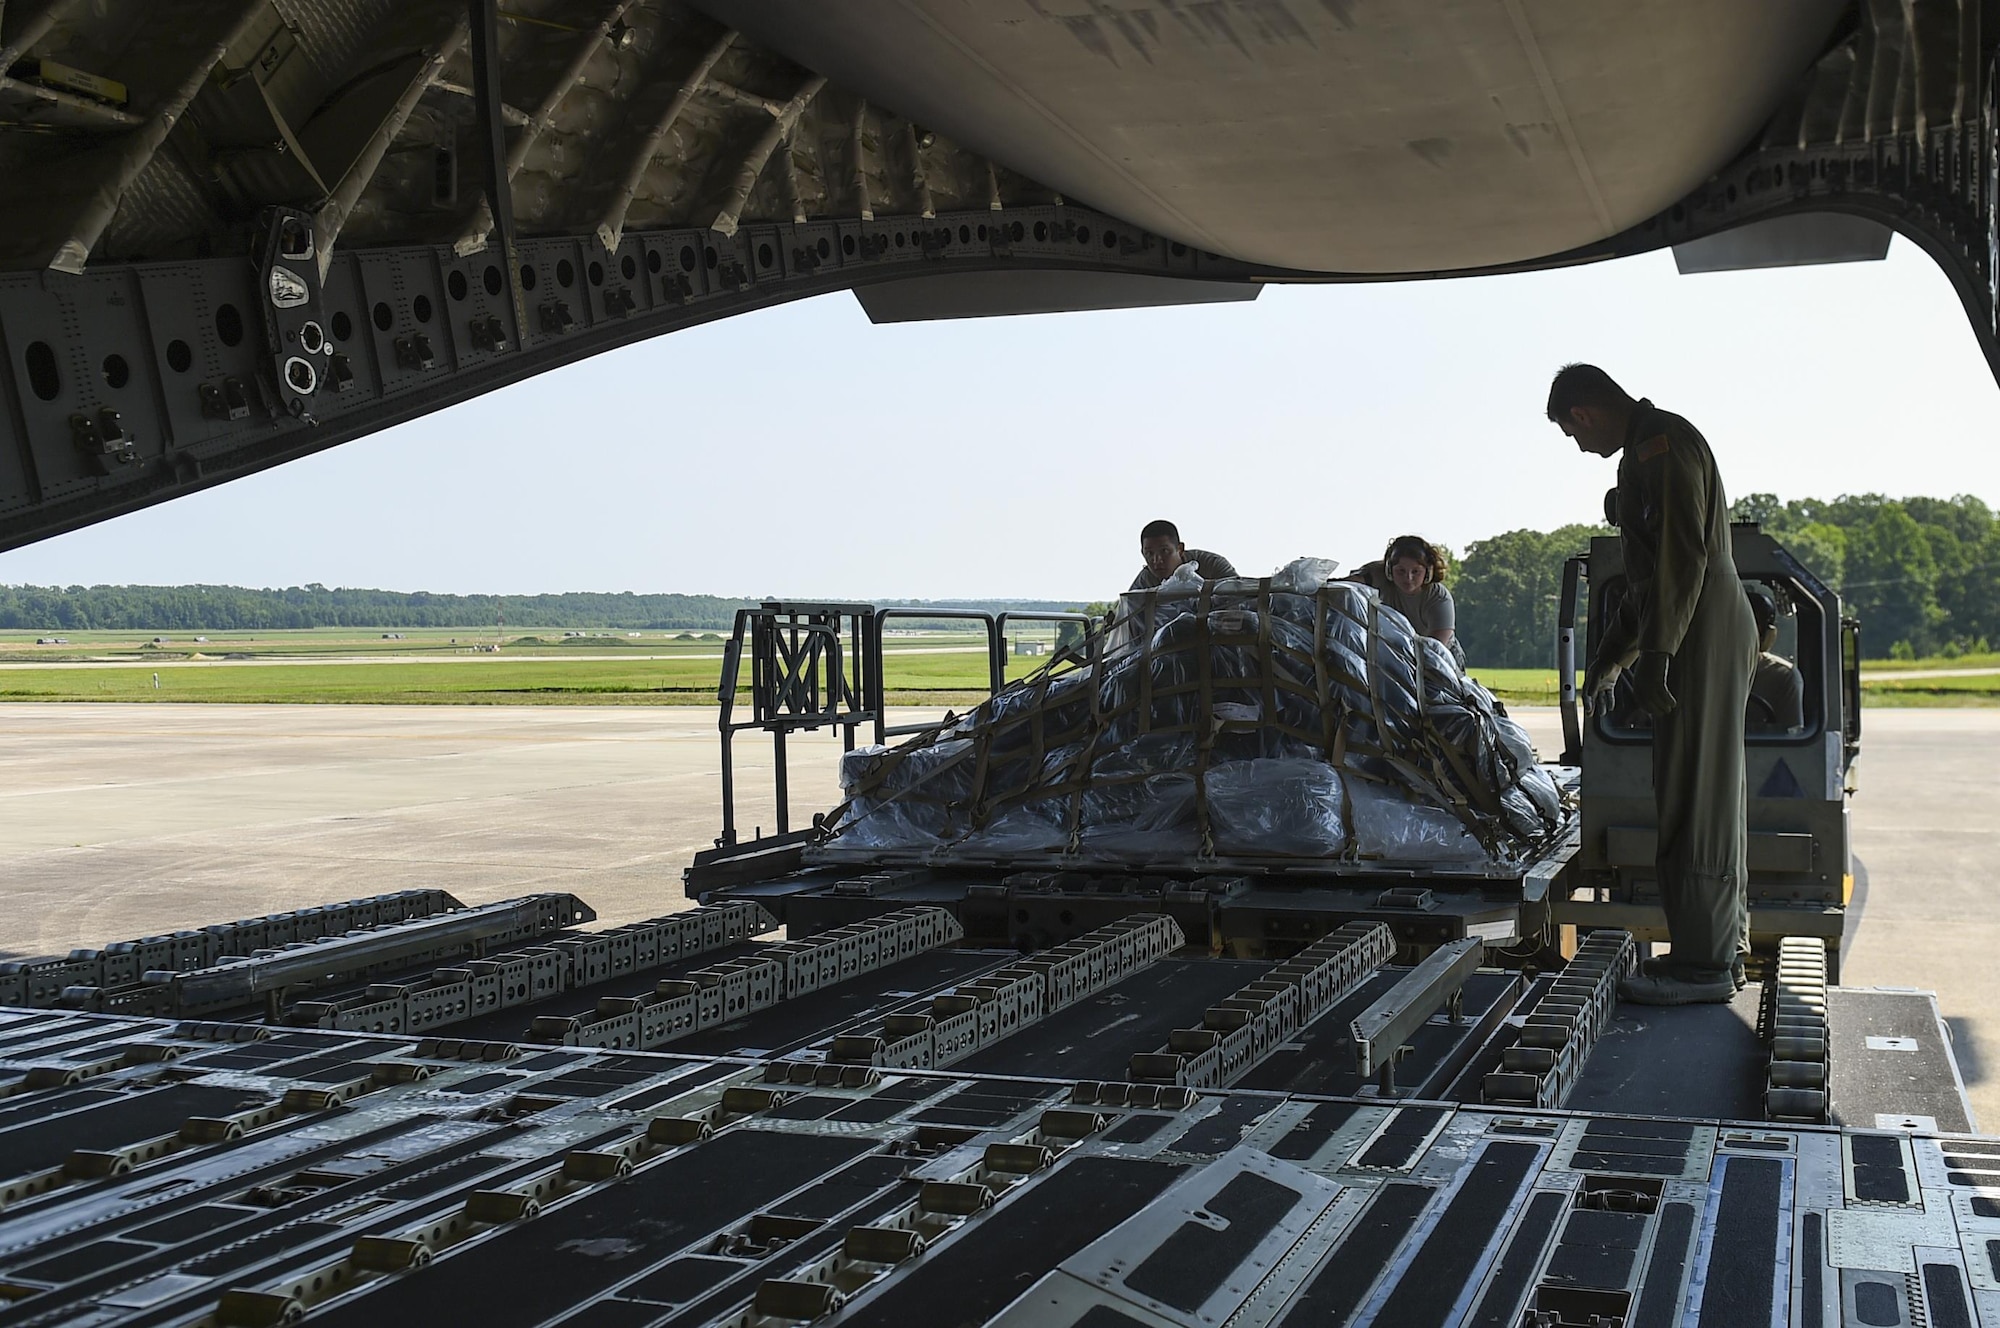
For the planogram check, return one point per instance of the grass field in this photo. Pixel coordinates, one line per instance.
(403, 643)
(506, 679)
(1931, 664)
(943, 679)
(614, 668)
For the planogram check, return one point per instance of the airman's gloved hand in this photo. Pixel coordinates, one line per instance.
(1649, 683)
(1598, 680)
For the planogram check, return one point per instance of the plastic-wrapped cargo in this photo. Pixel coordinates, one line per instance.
(1285, 717)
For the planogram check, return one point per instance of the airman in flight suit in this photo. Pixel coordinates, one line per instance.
(1684, 631)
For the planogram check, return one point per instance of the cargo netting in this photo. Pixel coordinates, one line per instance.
(1288, 716)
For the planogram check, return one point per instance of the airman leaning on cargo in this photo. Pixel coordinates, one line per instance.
(1161, 548)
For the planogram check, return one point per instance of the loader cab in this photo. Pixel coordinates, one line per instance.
(1799, 773)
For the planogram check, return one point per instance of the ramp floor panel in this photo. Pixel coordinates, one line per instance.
(1888, 1061)
(1247, 1206)
(1680, 1060)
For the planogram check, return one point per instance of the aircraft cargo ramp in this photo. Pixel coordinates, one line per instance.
(676, 1122)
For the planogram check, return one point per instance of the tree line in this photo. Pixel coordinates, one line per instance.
(238, 609)
(1922, 574)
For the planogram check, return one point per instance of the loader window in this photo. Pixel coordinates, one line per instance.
(1793, 661)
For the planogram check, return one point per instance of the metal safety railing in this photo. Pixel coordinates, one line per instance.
(996, 653)
(820, 665)
(812, 666)
(995, 661)
(1575, 570)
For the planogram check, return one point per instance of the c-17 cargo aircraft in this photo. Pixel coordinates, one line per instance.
(1133, 1058)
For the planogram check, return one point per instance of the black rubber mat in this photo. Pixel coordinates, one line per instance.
(1353, 1266)
(1812, 1271)
(441, 1178)
(252, 1057)
(1095, 1037)
(1190, 1265)
(1401, 1138)
(82, 1261)
(686, 1082)
(684, 1280)
(20, 1021)
(844, 1189)
(336, 1058)
(1742, 1262)
(1635, 1147)
(592, 1081)
(987, 1104)
(618, 1314)
(37, 1145)
(328, 1074)
(34, 1106)
(1311, 1134)
(15, 1036)
(273, 1050)
(258, 1248)
(194, 1222)
(604, 1237)
(1225, 1129)
(483, 1083)
(1136, 1128)
(1598, 1249)
(1659, 1298)
(970, 1281)
(1944, 1291)
(1500, 1307)
(1879, 1175)
(869, 1110)
(1104, 1316)
(1431, 1284)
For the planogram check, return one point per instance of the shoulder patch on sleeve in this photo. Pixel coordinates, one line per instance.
(1650, 448)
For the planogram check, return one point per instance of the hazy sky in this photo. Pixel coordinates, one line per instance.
(802, 452)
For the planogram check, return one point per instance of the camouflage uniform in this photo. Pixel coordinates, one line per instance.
(1683, 597)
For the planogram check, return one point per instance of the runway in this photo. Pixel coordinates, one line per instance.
(120, 821)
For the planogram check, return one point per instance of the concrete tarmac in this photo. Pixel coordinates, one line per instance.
(119, 821)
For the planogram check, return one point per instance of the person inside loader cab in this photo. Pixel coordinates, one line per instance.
(1160, 545)
(1684, 633)
(1777, 696)
(1410, 579)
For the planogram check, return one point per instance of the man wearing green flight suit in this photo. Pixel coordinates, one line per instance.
(1684, 633)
